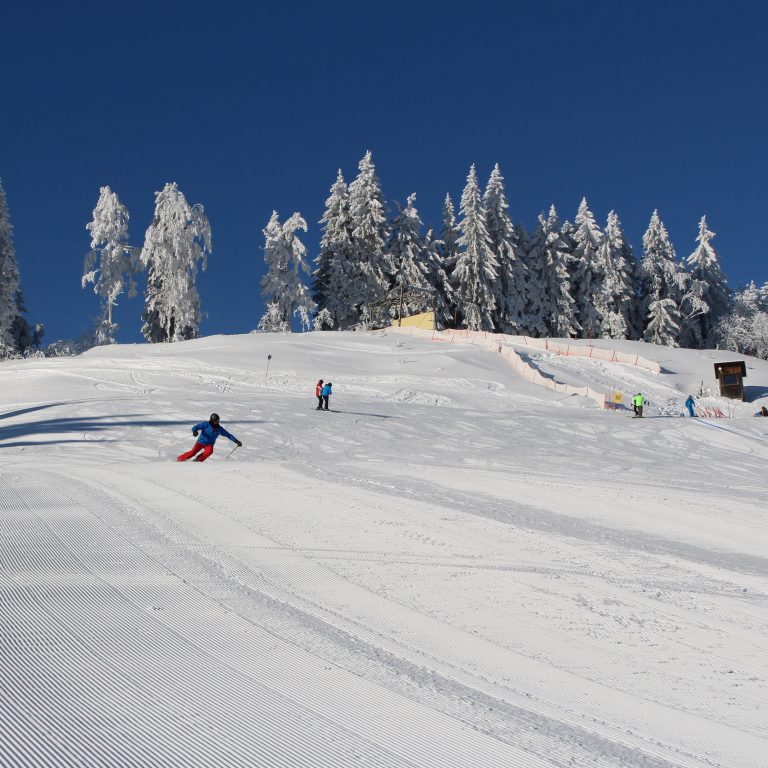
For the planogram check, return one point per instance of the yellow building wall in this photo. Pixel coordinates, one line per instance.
(425, 320)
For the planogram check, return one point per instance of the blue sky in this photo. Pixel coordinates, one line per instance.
(252, 107)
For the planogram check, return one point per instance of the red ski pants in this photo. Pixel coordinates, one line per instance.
(207, 450)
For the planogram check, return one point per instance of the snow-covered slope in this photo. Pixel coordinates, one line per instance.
(454, 568)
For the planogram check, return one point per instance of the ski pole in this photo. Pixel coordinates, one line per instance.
(231, 452)
(269, 357)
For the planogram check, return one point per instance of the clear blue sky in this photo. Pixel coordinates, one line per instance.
(252, 107)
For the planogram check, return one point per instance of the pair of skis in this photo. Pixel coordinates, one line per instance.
(173, 442)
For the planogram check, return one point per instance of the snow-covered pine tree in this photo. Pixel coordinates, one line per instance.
(335, 261)
(536, 301)
(476, 270)
(370, 273)
(510, 284)
(636, 319)
(586, 274)
(615, 302)
(177, 239)
(550, 309)
(569, 244)
(25, 336)
(16, 336)
(662, 325)
(708, 296)
(450, 234)
(449, 251)
(438, 280)
(272, 320)
(406, 248)
(111, 263)
(323, 321)
(521, 242)
(662, 283)
(567, 230)
(283, 286)
(9, 280)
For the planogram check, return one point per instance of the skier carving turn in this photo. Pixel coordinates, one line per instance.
(209, 431)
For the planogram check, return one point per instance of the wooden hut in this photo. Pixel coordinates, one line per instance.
(731, 379)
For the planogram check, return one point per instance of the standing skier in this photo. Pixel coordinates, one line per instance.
(319, 394)
(638, 401)
(326, 394)
(690, 404)
(210, 430)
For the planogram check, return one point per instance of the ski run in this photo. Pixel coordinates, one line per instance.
(459, 568)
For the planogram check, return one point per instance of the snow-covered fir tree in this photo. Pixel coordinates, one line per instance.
(178, 238)
(16, 335)
(510, 285)
(476, 270)
(334, 264)
(9, 279)
(569, 244)
(522, 243)
(111, 263)
(283, 287)
(550, 309)
(536, 300)
(370, 273)
(708, 296)
(663, 327)
(744, 328)
(406, 248)
(662, 283)
(636, 320)
(615, 302)
(25, 336)
(449, 251)
(439, 280)
(586, 273)
(323, 321)
(450, 234)
(272, 320)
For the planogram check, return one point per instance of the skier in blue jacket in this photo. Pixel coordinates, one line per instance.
(209, 431)
(326, 393)
(690, 404)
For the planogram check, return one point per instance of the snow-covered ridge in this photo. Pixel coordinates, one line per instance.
(456, 568)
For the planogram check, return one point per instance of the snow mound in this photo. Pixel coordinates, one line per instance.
(423, 398)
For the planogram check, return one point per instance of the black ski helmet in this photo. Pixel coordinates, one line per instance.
(214, 417)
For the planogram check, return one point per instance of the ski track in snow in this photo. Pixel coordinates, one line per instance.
(452, 570)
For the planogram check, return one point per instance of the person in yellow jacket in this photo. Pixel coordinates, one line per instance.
(638, 401)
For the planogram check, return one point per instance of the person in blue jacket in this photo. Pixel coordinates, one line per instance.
(208, 431)
(326, 394)
(690, 404)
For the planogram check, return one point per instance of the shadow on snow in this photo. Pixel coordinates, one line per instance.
(88, 424)
(752, 393)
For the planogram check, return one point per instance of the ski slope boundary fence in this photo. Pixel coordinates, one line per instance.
(573, 350)
(498, 342)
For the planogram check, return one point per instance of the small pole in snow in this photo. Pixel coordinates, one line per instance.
(269, 357)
